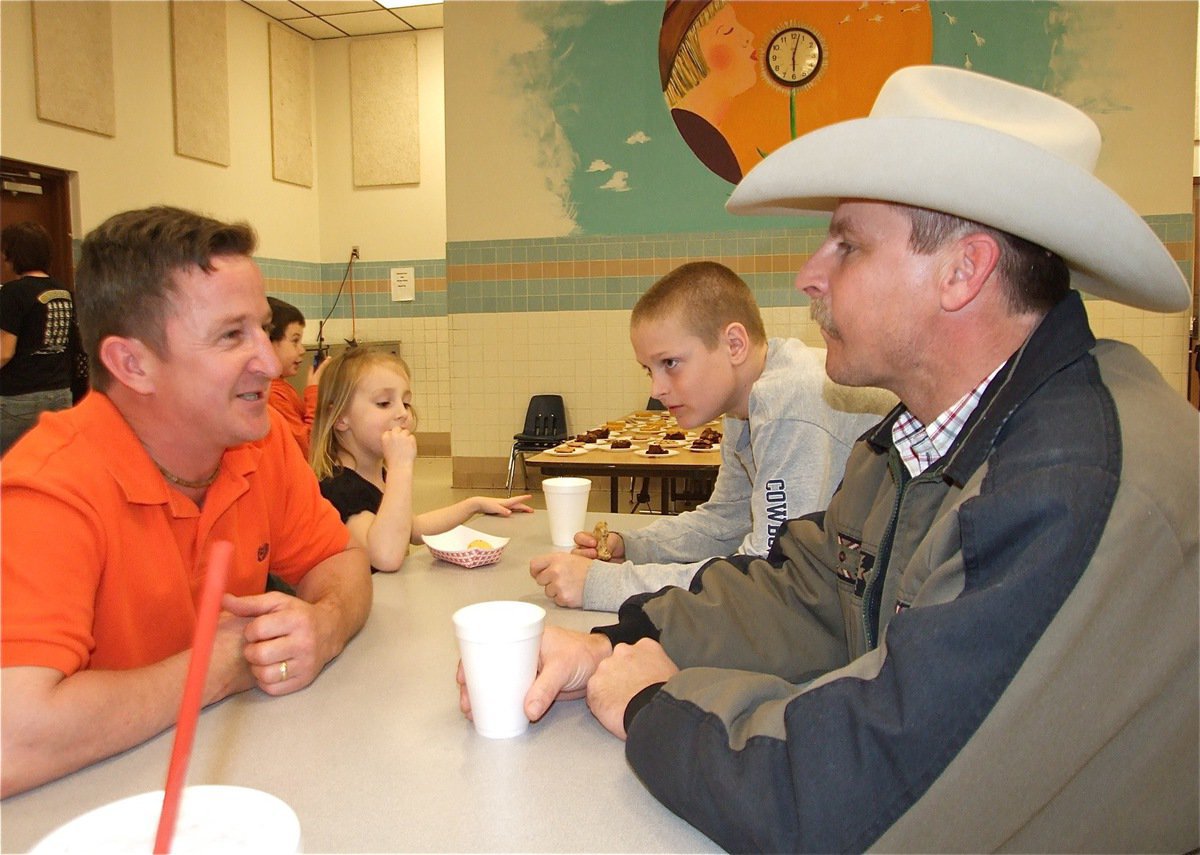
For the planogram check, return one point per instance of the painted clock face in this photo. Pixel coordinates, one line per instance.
(793, 56)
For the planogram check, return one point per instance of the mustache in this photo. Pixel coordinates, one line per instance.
(822, 315)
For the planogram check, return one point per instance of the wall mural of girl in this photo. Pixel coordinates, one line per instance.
(715, 62)
(706, 58)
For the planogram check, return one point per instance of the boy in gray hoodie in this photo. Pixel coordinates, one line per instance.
(787, 432)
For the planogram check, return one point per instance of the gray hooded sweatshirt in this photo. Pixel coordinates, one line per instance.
(782, 462)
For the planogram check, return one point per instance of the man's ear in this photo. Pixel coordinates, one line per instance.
(736, 341)
(130, 362)
(972, 260)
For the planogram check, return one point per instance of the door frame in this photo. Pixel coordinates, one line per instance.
(55, 185)
(1193, 353)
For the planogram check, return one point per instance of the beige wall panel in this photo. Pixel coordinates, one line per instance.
(200, 71)
(383, 110)
(291, 106)
(73, 63)
(400, 221)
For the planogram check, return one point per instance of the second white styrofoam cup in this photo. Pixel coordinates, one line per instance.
(499, 641)
(566, 504)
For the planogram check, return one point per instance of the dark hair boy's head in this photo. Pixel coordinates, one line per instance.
(283, 315)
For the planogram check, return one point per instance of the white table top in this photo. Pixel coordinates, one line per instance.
(375, 756)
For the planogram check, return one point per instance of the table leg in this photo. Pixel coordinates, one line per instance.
(612, 494)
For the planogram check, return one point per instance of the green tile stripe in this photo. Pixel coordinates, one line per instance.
(473, 287)
(471, 292)
(372, 289)
(530, 276)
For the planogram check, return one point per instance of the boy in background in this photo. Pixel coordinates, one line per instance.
(287, 338)
(787, 432)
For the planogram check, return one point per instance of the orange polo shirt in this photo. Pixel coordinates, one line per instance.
(297, 413)
(102, 560)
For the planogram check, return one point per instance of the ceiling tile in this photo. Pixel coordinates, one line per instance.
(422, 17)
(281, 10)
(368, 23)
(315, 28)
(337, 7)
(332, 19)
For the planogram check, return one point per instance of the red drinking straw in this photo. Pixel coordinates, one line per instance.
(219, 560)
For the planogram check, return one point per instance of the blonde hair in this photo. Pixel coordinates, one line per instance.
(706, 297)
(689, 67)
(334, 393)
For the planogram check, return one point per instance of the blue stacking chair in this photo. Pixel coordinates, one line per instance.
(545, 427)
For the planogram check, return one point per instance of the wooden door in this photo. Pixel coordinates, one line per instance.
(1194, 330)
(29, 191)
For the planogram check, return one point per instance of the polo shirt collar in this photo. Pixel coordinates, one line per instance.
(131, 466)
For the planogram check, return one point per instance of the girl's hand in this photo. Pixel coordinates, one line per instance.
(399, 447)
(501, 507)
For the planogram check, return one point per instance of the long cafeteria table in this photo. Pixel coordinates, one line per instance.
(375, 756)
(596, 458)
(615, 466)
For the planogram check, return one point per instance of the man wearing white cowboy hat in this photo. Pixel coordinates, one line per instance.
(989, 639)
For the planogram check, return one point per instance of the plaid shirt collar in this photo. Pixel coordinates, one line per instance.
(920, 446)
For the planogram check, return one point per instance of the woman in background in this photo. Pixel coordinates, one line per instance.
(39, 340)
(364, 452)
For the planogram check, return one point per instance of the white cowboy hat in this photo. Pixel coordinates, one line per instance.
(987, 150)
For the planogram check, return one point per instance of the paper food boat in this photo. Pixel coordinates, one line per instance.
(453, 546)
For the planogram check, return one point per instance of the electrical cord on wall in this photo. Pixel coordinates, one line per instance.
(353, 340)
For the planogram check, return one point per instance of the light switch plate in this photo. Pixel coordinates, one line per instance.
(403, 284)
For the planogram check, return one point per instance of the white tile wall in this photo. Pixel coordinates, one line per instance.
(424, 345)
(1163, 339)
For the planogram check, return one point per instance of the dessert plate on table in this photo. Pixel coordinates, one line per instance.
(669, 452)
(574, 452)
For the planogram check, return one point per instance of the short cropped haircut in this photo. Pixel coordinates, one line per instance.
(1034, 278)
(283, 315)
(26, 246)
(126, 276)
(706, 297)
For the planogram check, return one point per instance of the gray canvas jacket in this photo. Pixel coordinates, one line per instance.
(783, 461)
(998, 654)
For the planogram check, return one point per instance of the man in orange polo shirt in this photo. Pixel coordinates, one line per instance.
(111, 508)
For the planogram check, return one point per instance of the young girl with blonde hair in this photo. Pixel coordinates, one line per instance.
(363, 452)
